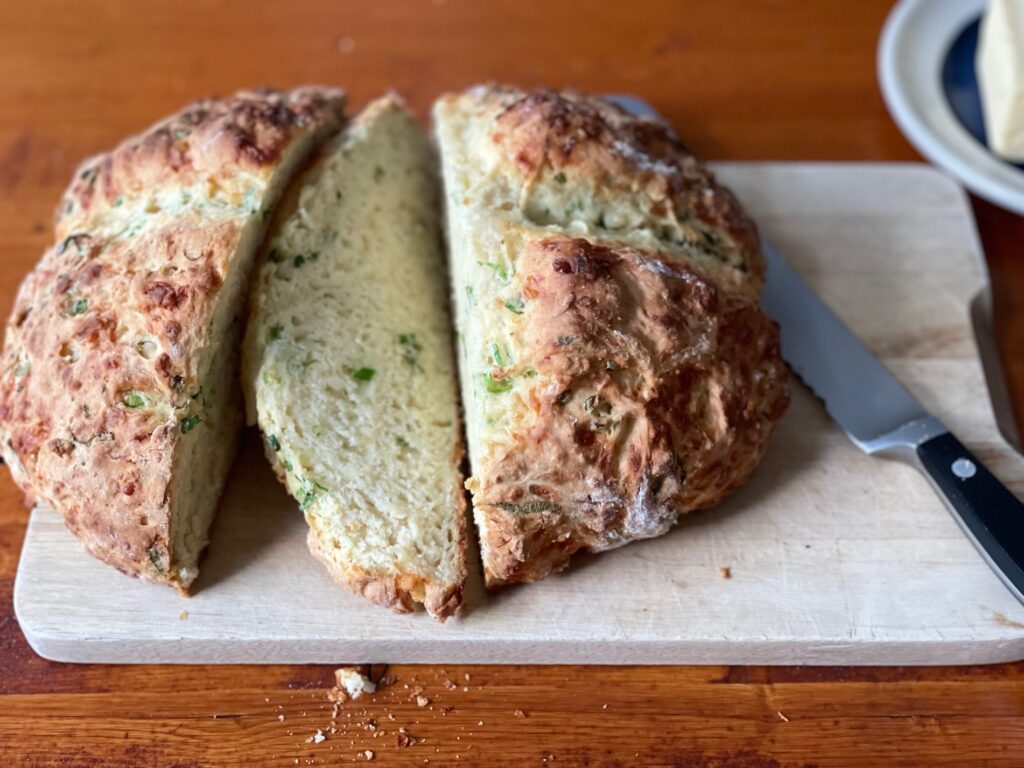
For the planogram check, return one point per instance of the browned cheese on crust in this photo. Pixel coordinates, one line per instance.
(643, 378)
(100, 372)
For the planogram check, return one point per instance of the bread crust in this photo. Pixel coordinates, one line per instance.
(614, 155)
(660, 394)
(98, 379)
(400, 591)
(657, 378)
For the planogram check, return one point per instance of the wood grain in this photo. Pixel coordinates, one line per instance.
(742, 79)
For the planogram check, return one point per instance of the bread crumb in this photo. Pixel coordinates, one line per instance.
(522, 715)
(182, 615)
(319, 737)
(353, 682)
(281, 718)
(782, 717)
(403, 739)
(368, 754)
(422, 701)
(337, 696)
(726, 572)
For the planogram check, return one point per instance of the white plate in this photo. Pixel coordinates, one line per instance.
(915, 42)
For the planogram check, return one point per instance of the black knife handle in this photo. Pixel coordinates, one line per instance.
(985, 508)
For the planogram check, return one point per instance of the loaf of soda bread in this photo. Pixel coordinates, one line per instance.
(119, 396)
(616, 368)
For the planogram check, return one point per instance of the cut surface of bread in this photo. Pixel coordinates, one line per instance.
(119, 397)
(616, 368)
(349, 371)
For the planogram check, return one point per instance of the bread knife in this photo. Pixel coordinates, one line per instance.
(883, 419)
(880, 416)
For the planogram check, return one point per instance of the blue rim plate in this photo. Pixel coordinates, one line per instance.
(926, 72)
(960, 84)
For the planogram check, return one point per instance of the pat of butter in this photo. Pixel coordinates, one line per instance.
(1000, 68)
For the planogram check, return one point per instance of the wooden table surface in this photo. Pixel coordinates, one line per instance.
(740, 79)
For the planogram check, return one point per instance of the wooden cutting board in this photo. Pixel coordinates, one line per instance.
(835, 557)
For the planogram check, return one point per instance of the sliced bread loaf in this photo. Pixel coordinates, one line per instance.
(349, 371)
(119, 398)
(616, 368)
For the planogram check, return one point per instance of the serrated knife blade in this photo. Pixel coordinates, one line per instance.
(858, 391)
(881, 417)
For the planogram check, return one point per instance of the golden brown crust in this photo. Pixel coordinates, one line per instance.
(661, 394)
(613, 155)
(622, 153)
(399, 591)
(658, 378)
(445, 600)
(209, 139)
(98, 377)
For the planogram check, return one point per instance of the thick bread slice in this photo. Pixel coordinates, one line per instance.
(119, 401)
(616, 368)
(349, 369)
